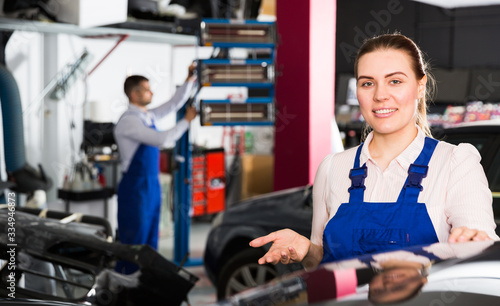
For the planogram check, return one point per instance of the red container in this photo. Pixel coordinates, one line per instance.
(209, 182)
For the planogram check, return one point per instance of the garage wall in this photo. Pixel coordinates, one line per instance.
(456, 38)
(460, 44)
(47, 125)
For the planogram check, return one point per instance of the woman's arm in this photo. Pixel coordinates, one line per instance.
(469, 201)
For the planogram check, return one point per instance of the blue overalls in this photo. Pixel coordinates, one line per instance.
(361, 227)
(139, 202)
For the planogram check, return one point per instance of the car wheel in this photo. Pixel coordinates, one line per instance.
(242, 272)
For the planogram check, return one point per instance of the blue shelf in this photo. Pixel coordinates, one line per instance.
(268, 100)
(240, 45)
(237, 61)
(264, 123)
(249, 85)
(234, 21)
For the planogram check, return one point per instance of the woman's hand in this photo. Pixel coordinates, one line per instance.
(463, 234)
(288, 247)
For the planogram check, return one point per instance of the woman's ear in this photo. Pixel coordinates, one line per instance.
(421, 86)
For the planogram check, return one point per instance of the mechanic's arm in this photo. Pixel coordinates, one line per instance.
(180, 97)
(135, 129)
(469, 201)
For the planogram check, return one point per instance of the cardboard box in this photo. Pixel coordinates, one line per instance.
(257, 175)
(91, 13)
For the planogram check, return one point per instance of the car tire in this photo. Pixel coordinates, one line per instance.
(242, 272)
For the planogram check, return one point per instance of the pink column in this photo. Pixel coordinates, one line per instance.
(304, 89)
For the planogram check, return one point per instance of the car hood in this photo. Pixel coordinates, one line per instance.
(454, 274)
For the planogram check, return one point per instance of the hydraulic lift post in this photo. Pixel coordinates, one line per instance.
(182, 199)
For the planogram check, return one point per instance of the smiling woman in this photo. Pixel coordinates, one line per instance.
(400, 70)
(400, 187)
(391, 89)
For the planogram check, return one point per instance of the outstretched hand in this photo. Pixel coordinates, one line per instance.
(288, 247)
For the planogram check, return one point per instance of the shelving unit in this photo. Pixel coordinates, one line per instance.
(253, 72)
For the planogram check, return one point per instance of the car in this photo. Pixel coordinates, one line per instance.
(231, 264)
(32, 302)
(435, 274)
(70, 258)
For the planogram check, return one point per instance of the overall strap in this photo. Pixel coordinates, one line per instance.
(357, 176)
(153, 125)
(417, 172)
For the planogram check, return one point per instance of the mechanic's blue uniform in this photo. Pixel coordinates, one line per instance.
(140, 185)
(139, 192)
(361, 227)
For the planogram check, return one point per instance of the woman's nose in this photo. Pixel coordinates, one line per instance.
(381, 93)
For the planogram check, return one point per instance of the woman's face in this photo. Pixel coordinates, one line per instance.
(387, 91)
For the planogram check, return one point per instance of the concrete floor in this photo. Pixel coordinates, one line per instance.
(203, 293)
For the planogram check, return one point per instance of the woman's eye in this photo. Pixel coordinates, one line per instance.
(395, 82)
(366, 84)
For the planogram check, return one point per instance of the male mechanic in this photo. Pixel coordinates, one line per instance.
(139, 194)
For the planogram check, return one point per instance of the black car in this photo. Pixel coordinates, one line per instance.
(32, 302)
(231, 264)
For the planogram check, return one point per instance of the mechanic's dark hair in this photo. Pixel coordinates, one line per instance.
(420, 67)
(132, 82)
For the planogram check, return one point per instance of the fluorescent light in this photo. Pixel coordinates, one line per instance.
(449, 4)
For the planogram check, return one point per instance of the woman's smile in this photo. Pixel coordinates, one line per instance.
(384, 112)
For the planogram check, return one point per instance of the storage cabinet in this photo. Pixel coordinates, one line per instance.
(208, 182)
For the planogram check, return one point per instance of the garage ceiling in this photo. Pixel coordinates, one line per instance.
(449, 4)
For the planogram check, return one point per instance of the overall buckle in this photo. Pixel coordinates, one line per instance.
(415, 175)
(357, 176)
